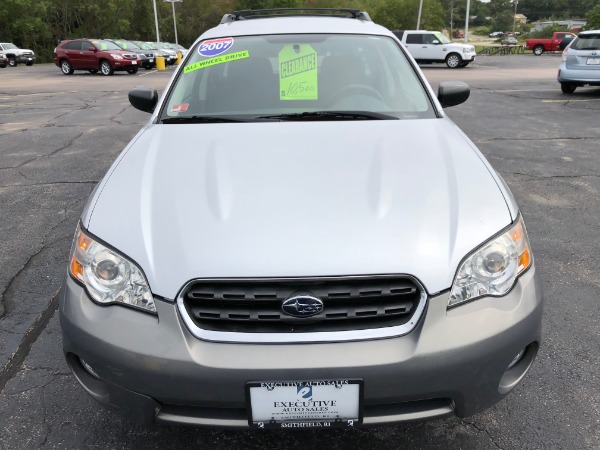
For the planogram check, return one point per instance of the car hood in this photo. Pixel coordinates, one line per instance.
(293, 199)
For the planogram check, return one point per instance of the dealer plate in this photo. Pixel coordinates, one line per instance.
(305, 404)
(134, 62)
(593, 61)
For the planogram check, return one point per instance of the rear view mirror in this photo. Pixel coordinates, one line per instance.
(143, 98)
(452, 93)
(435, 42)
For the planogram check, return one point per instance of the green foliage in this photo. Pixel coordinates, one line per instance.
(403, 14)
(547, 32)
(593, 18)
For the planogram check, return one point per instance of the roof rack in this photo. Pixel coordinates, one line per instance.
(295, 12)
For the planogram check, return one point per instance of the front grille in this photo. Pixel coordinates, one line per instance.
(130, 56)
(255, 306)
(150, 55)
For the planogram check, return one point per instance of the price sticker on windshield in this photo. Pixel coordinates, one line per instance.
(298, 73)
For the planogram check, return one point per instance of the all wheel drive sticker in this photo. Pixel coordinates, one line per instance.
(212, 49)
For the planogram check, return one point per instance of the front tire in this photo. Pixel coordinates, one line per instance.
(453, 60)
(132, 70)
(12, 61)
(66, 67)
(568, 88)
(538, 50)
(106, 68)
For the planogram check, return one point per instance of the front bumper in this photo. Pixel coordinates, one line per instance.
(25, 59)
(152, 369)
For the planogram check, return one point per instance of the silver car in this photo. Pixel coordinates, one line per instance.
(300, 237)
(581, 62)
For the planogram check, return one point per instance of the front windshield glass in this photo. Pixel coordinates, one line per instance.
(127, 45)
(293, 74)
(106, 45)
(443, 39)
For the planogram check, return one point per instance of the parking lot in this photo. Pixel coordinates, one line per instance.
(58, 136)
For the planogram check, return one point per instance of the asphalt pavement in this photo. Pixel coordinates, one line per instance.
(59, 135)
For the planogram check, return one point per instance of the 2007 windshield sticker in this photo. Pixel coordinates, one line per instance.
(298, 73)
(215, 47)
(214, 61)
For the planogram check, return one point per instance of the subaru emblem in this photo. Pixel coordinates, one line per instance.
(302, 306)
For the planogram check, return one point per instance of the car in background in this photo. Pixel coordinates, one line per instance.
(3, 60)
(510, 41)
(169, 56)
(432, 46)
(181, 49)
(580, 64)
(496, 34)
(166, 47)
(94, 55)
(300, 237)
(147, 57)
(16, 55)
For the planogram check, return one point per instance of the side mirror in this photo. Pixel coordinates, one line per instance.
(143, 98)
(452, 93)
(435, 42)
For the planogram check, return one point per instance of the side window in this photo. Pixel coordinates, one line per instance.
(414, 39)
(75, 45)
(560, 36)
(87, 47)
(429, 38)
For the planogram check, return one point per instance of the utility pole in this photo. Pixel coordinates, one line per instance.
(419, 18)
(467, 21)
(515, 16)
(156, 22)
(451, 17)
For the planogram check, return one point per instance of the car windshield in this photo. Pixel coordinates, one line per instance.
(127, 45)
(587, 42)
(443, 39)
(292, 75)
(106, 45)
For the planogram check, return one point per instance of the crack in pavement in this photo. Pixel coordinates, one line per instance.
(33, 333)
(568, 138)
(11, 282)
(49, 155)
(474, 425)
(549, 177)
(52, 183)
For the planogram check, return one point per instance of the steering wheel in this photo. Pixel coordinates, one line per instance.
(357, 89)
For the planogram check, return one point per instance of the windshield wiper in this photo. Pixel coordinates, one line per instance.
(331, 115)
(205, 119)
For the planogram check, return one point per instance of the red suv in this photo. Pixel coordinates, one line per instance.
(93, 55)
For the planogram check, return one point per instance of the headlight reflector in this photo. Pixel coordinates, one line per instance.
(493, 269)
(108, 277)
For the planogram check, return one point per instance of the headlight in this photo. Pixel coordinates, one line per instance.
(115, 56)
(493, 269)
(108, 277)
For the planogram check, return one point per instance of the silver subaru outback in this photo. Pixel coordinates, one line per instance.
(300, 237)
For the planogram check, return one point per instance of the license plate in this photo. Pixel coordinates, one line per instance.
(305, 404)
(151, 59)
(134, 62)
(593, 61)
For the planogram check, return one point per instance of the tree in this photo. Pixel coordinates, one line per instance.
(593, 17)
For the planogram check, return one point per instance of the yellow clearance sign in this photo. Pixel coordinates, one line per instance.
(216, 60)
(298, 73)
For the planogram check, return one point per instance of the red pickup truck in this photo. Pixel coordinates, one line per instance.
(540, 46)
